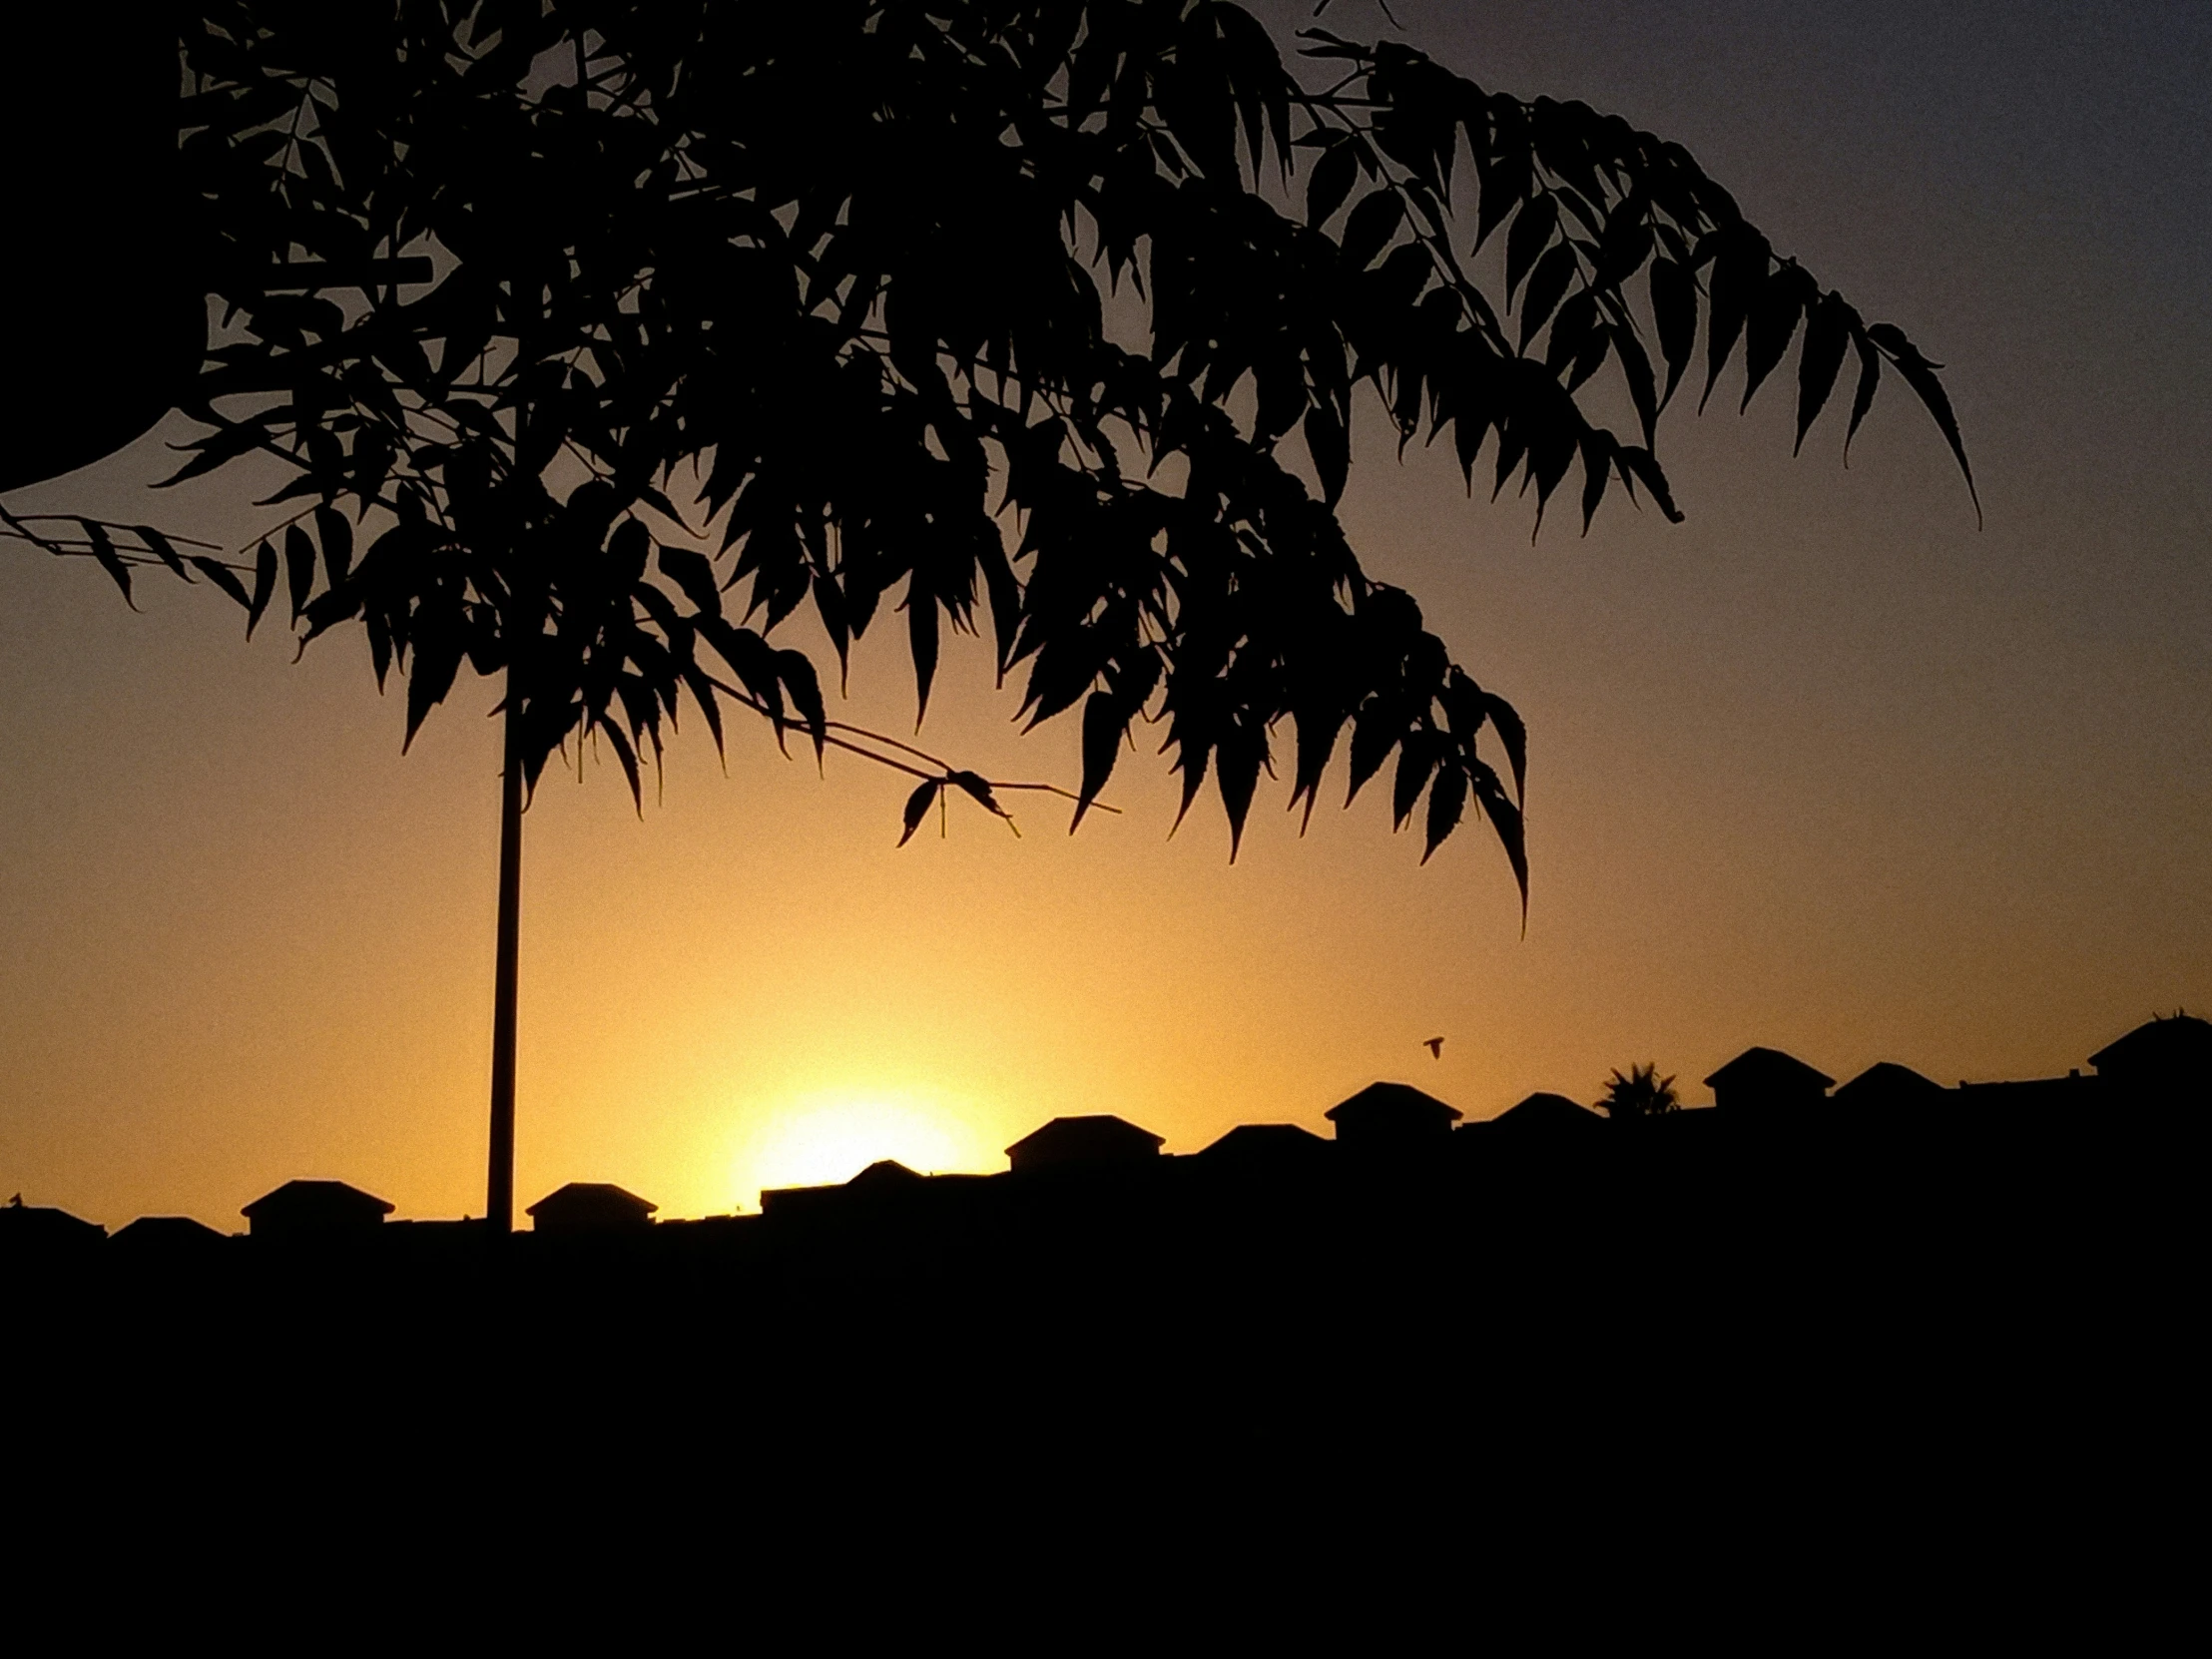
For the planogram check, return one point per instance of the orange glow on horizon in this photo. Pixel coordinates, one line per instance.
(832, 1134)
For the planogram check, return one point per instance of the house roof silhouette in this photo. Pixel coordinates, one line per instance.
(886, 1175)
(167, 1233)
(1391, 1114)
(1083, 1142)
(1266, 1146)
(1763, 1076)
(1887, 1083)
(2174, 1049)
(316, 1207)
(38, 1226)
(591, 1207)
(1547, 1111)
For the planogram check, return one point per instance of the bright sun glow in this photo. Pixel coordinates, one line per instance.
(832, 1137)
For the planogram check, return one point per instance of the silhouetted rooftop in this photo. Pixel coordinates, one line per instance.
(1391, 1114)
(884, 1175)
(1256, 1145)
(1887, 1083)
(163, 1233)
(1067, 1143)
(1544, 1110)
(591, 1207)
(2175, 1048)
(37, 1227)
(319, 1207)
(1760, 1075)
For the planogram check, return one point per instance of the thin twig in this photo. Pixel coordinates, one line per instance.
(831, 726)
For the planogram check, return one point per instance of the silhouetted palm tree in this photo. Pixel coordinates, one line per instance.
(1643, 1093)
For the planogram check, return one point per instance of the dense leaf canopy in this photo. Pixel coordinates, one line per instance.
(1050, 312)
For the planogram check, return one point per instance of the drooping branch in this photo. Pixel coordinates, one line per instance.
(936, 784)
(122, 548)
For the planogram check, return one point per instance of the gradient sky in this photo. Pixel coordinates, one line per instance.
(1825, 768)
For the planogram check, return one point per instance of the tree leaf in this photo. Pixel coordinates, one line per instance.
(264, 585)
(1545, 287)
(438, 643)
(1674, 308)
(1773, 319)
(163, 548)
(1447, 799)
(336, 535)
(979, 788)
(1531, 234)
(222, 577)
(797, 672)
(298, 567)
(1740, 257)
(694, 574)
(1506, 720)
(103, 549)
(1416, 760)
(1329, 184)
(918, 808)
(921, 637)
(1919, 374)
(1330, 445)
(1103, 725)
(1827, 334)
(1870, 378)
(1373, 222)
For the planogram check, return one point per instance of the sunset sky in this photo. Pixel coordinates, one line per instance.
(1825, 767)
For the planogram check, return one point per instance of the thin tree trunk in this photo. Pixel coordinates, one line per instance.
(499, 1200)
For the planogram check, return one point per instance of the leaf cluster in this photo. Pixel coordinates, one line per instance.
(1642, 1093)
(1054, 313)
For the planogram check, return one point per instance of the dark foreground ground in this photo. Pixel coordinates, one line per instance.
(1936, 1376)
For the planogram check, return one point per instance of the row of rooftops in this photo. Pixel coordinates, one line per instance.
(1389, 1119)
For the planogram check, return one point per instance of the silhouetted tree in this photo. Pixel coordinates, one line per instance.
(1057, 309)
(1643, 1093)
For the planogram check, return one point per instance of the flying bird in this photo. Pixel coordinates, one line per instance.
(1435, 1047)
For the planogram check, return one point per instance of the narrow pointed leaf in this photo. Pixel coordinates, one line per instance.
(1674, 307)
(1826, 336)
(1870, 378)
(921, 637)
(264, 585)
(917, 808)
(1506, 720)
(222, 576)
(163, 548)
(797, 672)
(336, 532)
(1103, 726)
(1919, 374)
(1447, 799)
(299, 567)
(103, 549)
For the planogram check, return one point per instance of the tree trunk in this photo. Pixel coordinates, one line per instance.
(500, 1199)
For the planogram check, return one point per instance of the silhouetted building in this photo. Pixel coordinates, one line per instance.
(1267, 1146)
(591, 1207)
(167, 1236)
(38, 1229)
(885, 1182)
(1766, 1081)
(1887, 1087)
(1390, 1116)
(1544, 1113)
(886, 1175)
(2163, 1056)
(316, 1209)
(1082, 1143)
